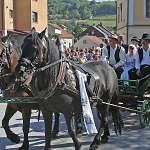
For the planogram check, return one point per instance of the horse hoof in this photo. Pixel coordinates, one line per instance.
(47, 149)
(79, 148)
(54, 134)
(93, 148)
(23, 148)
(14, 138)
(104, 139)
(79, 133)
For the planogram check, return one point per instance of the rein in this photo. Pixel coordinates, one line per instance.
(50, 65)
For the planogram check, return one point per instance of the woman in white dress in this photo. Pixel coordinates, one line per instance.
(130, 63)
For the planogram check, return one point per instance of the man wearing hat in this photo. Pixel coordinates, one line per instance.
(143, 57)
(135, 41)
(115, 54)
(121, 42)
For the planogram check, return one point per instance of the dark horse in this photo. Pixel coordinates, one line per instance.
(9, 56)
(48, 67)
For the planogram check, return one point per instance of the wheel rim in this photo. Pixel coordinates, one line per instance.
(145, 120)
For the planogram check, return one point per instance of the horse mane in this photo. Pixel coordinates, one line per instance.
(16, 47)
(51, 54)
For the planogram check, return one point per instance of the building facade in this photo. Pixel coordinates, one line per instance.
(19, 16)
(89, 41)
(96, 30)
(66, 39)
(133, 18)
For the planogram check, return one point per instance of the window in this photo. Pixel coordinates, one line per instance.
(34, 16)
(147, 8)
(10, 13)
(84, 42)
(120, 13)
(92, 32)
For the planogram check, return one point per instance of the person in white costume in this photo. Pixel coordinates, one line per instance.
(130, 63)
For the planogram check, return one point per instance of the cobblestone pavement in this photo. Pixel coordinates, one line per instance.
(133, 137)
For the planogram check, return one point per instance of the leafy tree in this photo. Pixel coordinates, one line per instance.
(66, 15)
(75, 14)
(80, 8)
(77, 30)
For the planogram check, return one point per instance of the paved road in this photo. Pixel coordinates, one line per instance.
(133, 136)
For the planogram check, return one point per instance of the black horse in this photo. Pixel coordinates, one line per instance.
(55, 92)
(9, 56)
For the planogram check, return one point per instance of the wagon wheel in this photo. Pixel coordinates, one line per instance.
(145, 87)
(145, 120)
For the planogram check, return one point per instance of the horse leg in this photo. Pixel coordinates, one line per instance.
(26, 114)
(104, 138)
(48, 128)
(5, 123)
(70, 124)
(79, 128)
(104, 122)
(56, 125)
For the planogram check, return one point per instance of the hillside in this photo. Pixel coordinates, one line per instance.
(79, 9)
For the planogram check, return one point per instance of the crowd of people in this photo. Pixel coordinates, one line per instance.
(129, 61)
(84, 55)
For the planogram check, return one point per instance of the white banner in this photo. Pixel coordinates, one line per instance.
(86, 108)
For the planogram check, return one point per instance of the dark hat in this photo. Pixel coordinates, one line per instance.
(145, 36)
(135, 38)
(114, 36)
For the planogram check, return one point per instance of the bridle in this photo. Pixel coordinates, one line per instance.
(33, 66)
(28, 66)
(5, 59)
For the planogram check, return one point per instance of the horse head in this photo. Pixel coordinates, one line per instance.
(9, 56)
(9, 53)
(4, 50)
(33, 50)
(38, 52)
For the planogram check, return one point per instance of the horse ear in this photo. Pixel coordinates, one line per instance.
(6, 38)
(33, 30)
(42, 34)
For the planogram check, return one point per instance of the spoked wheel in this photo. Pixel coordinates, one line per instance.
(145, 119)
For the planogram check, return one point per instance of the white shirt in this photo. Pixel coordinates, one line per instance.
(130, 59)
(112, 60)
(145, 60)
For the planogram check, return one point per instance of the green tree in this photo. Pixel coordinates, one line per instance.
(66, 15)
(75, 14)
(77, 30)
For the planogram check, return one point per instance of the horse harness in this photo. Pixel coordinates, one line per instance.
(5, 59)
(67, 79)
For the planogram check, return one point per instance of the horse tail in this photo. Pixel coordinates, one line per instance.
(116, 115)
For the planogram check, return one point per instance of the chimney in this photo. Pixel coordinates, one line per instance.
(100, 24)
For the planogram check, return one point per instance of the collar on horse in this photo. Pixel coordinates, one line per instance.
(63, 60)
